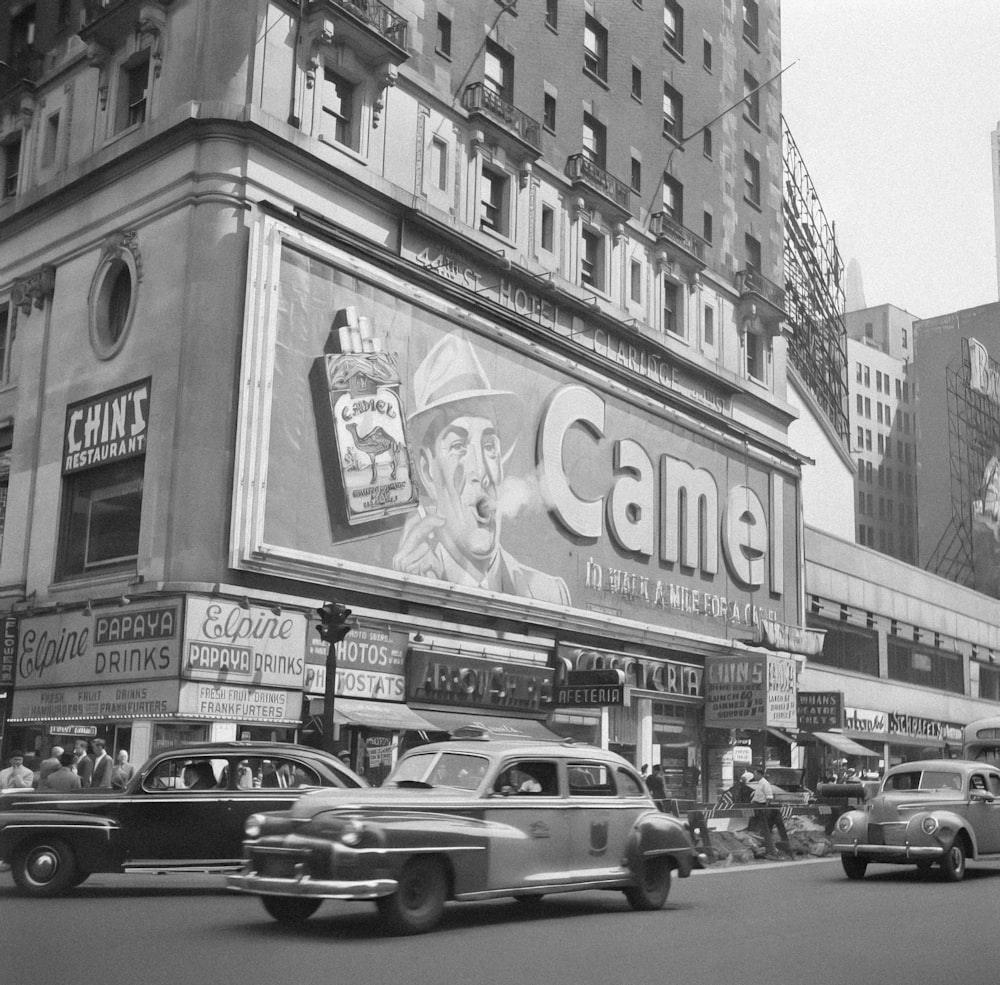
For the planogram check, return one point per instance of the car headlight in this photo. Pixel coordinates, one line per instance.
(253, 825)
(929, 824)
(352, 833)
(844, 823)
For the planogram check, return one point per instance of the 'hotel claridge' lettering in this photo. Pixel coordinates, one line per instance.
(751, 540)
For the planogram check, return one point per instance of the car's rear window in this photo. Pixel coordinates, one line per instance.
(590, 780)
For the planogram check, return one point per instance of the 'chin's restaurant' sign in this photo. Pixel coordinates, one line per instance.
(477, 683)
(107, 428)
(754, 691)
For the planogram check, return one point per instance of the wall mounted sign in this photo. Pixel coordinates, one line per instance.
(107, 428)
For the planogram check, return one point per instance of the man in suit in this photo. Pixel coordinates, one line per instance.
(103, 766)
(464, 429)
(84, 764)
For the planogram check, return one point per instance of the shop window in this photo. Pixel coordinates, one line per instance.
(848, 647)
(99, 528)
(339, 106)
(925, 666)
(495, 200)
(133, 91)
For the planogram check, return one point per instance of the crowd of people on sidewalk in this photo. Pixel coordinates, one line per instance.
(64, 770)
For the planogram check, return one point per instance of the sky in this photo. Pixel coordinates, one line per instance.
(891, 104)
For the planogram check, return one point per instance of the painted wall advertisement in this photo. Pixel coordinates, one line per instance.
(754, 691)
(436, 454)
(369, 665)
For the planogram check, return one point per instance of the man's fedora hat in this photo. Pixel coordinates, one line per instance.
(451, 377)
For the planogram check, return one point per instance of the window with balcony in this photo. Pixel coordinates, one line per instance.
(592, 259)
(595, 49)
(673, 26)
(751, 22)
(133, 91)
(751, 100)
(11, 148)
(498, 71)
(442, 44)
(339, 110)
(494, 209)
(751, 179)
(673, 198)
(673, 112)
(549, 112)
(673, 323)
(595, 140)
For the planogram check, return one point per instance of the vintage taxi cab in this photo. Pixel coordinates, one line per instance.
(182, 811)
(935, 811)
(472, 818)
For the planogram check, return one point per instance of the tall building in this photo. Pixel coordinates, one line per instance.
(470, 316)
(883, 414)
(956, 372)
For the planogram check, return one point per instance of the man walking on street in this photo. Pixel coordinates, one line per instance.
(761, 801)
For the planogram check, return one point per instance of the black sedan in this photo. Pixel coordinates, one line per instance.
(184, 810)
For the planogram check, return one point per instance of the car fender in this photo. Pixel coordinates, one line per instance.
(657, 835)
(950, 825)
(95, 840)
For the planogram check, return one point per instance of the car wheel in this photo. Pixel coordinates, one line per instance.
(418, 902)
(653, 887)
(45, 867)
(290, 909)
(854, 867)
(953, 862)
(529, 899)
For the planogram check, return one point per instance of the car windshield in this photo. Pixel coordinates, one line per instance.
(446, 769)
(924, 780)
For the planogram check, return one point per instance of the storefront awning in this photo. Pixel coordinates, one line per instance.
(847, 746)
(373, 714)
(497, 726)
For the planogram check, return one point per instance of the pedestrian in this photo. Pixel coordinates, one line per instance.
(122, 772)
(644, 772)
(64, 779)
(656, 785)
(48, 766)
(16, 776)
(103, 766)
(84, 764)
(766, 814)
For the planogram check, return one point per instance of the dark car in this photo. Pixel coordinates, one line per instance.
(474, 818)
(183, 810)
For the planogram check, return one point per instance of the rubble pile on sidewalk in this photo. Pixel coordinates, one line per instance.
(805, 838)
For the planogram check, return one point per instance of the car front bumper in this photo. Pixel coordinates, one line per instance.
(890, 853)
(304, 886)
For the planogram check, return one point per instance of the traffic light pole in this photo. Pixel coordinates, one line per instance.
(333, 627)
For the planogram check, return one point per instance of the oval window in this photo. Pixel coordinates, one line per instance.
(112, 304)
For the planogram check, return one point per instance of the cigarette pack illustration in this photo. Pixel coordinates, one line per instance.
(366, 413)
